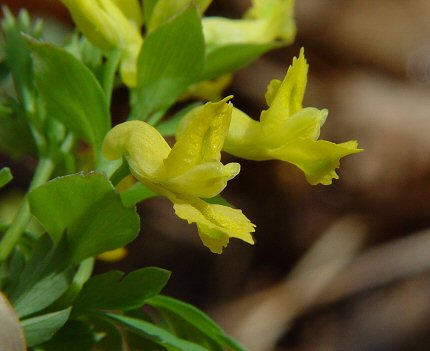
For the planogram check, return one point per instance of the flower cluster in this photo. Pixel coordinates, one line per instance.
(191, 171)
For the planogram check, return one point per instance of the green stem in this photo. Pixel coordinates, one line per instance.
(67, 143)
(10, 239)
(83, 273)
(121, 172)
(155, 117)
(109, 73)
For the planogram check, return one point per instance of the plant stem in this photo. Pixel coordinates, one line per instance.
(83, 273)
(109, 73)
(43, 172)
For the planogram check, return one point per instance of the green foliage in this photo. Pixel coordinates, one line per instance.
(148, 7)
(44, 278)
(171, 58)
(75, 335)
(136, 193)
(229, 58)
(93, 216)
(5, 176)
(193, 322)
(77, 100)
(17, 53)
(113, 291)
(165, 10)
(55, 103)
(156, 334)
(15, 135)
(42, 328)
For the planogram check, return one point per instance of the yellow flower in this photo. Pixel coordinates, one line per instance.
(208, 90)
(113, 255)
(109, 25)
(286, 131)
(264, 22)
(189, 171)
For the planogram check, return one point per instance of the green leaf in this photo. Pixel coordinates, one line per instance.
(73, 336)
(196, 318)
(42, 328)
(165, 10)
(184, 330)
(219, 200)
(113, 291)
(135, 194)
(139, 343)
(15, 134)
(154, 333)
(12, 268)
(4, 70)
(148, 7)
(5, 176)
(170, 60)
(112, 338)
(45, 278)
(70, 92)
(88, 209)
(229, 58)
(17, 51)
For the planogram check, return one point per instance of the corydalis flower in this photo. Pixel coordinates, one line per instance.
(264, 22)
(109, 25)
(286, 131)
(188, 172)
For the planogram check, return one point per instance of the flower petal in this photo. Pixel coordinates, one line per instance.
(202, 138)
(102, 22)
(208, 89)
(317, 159)
(266, 21)
(204, 180)
(279, 13)
(244, 138)
(225, 31)
(216, 223)
(141, 144)
(113, 255)
(287, 131)
(305, 124)
(285, 99)
(128, 67)
(216, 241)
(131, 10)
